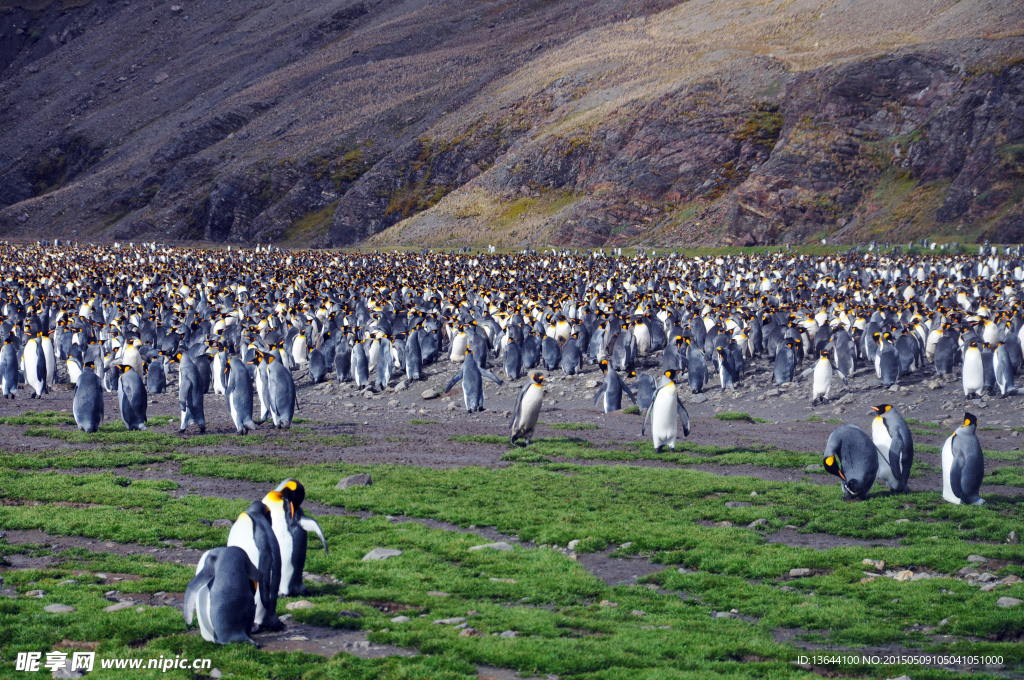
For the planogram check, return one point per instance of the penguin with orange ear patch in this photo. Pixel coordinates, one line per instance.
(290, 526)
(851, 456)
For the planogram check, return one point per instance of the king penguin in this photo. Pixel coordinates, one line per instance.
(87, 406)
(663, 413)
(317, 366)
(238, 393)
(253, 533)
(9, 369)
(822, 384)
(895, 445)
(222, 596)
(472, 375)
(973, 370)
(290, 525)
(282, 393)
(963, 466)
(190, 394)
(35, 367)
(645, 390)
(524, 416)
(156, 377)
(851, 456)
(131, 398)
(611, 389)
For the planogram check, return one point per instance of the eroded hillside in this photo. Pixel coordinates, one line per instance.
(388, 122)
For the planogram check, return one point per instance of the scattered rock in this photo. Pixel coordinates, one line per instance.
(760, 521)
(573, 543)
(380, 554)
(724, 615)
(175, 8)
(400, 619)
(738, 504)
(300, 604)
(451, 406)
(1008, 602)
(500, 545)
(503, 580)
(220, 523)
(902, 677)
(904, 575)
(216, 673)
(394, 403)
(727, 524)
(470, 632)
(65, 673)
(606, 603)
(698, 399)
(590, 384)
(449, 622)
(361, 479)
(349, 614)
(127, 604)
(69, 582)
(508, 634)
(35, 593)
(401, 386)
(902, 521)
(428, 394)
(437, 593)
(799, 571)
(160, 77)
(977, 558)
(626, 546)
(59, 608)
(637, 612)
(1012, 538)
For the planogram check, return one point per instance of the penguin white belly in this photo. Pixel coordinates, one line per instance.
(562, 331)
(663, 420)
(882, 440)
(284, 539)
(973, 372)
(643, 338)
(529, 408)
(878, 364)
(929, 347)
(241, 536)
(459, 345)
(947, 465)
(822, 379)
(73, 372)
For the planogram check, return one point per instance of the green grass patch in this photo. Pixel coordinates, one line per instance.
(632, 410)
(423, 422)
(39, 418)
(573, 426)
(734, 415)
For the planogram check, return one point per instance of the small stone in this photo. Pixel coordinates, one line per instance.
(69, 582)
(738, 504)
(773, 393)
(127, 604)
(1012, 538)
(606, 603)
(394, 403)
(727, 524)
(216, 673)
(977, 558)
(65, 673)
(401, 386)
(799, 571)
(206, 522)
(902, 677)
(1012, 578)
(968, 571)
(220, 523)
(59, 608)
(944, 622)
(509, 634)
(626, 546)
(920, 576)
(449, 622)
(637, 612)
(500, 545)
(986, 577)
(452, 406)
(904, 575)
(380, 554)
(503, 580)
(894, 388)
(902, 521)
(1008, 602)
(437, 593)
(160, 77)
(698, 399)
(723, 615)
(428, 394)
(176, 9)
(760, 521)
(990, 586)
(470, 632)
(300, 604)
(590, 384)
(361, 479)
(35, 593)
(753, 494)
(573, 543)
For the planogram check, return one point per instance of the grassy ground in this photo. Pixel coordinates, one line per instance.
(563, 615)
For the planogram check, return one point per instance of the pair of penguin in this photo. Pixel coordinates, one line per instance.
(859, 460)
(235, 589)
(888, 455)
(132, 399)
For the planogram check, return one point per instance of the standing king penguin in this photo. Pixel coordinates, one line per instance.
(663, 412)
(963, 466)
(290, 525)
(524, 417)
(895, 445)
(253, 533)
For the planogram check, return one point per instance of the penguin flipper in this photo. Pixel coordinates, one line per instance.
(455, 380)
(629, 392)
(897, 459)
(647, 417)
(203, 578)
(600, 391)
(956, 472)
(683, 416)
(518, 407)
(490, 376)
(310, 524)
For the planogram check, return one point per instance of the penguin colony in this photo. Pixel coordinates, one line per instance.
(238, 323)
(235, 589)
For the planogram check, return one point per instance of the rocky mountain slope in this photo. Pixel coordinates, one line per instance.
(383, 122)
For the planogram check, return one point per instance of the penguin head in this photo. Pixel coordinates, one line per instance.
(604, 366)
(833, 467)
(882, 409)
(538, 379)
(671, 373)
(970, 422)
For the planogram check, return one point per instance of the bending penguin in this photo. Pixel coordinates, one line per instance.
(253, 533)
(131, 398)
(611, 389)
(851, 456)
(524, 417)
(895, 445)
(663, 412)
(238, 393)
(221, 594)
(963, 466)
(290, 525)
